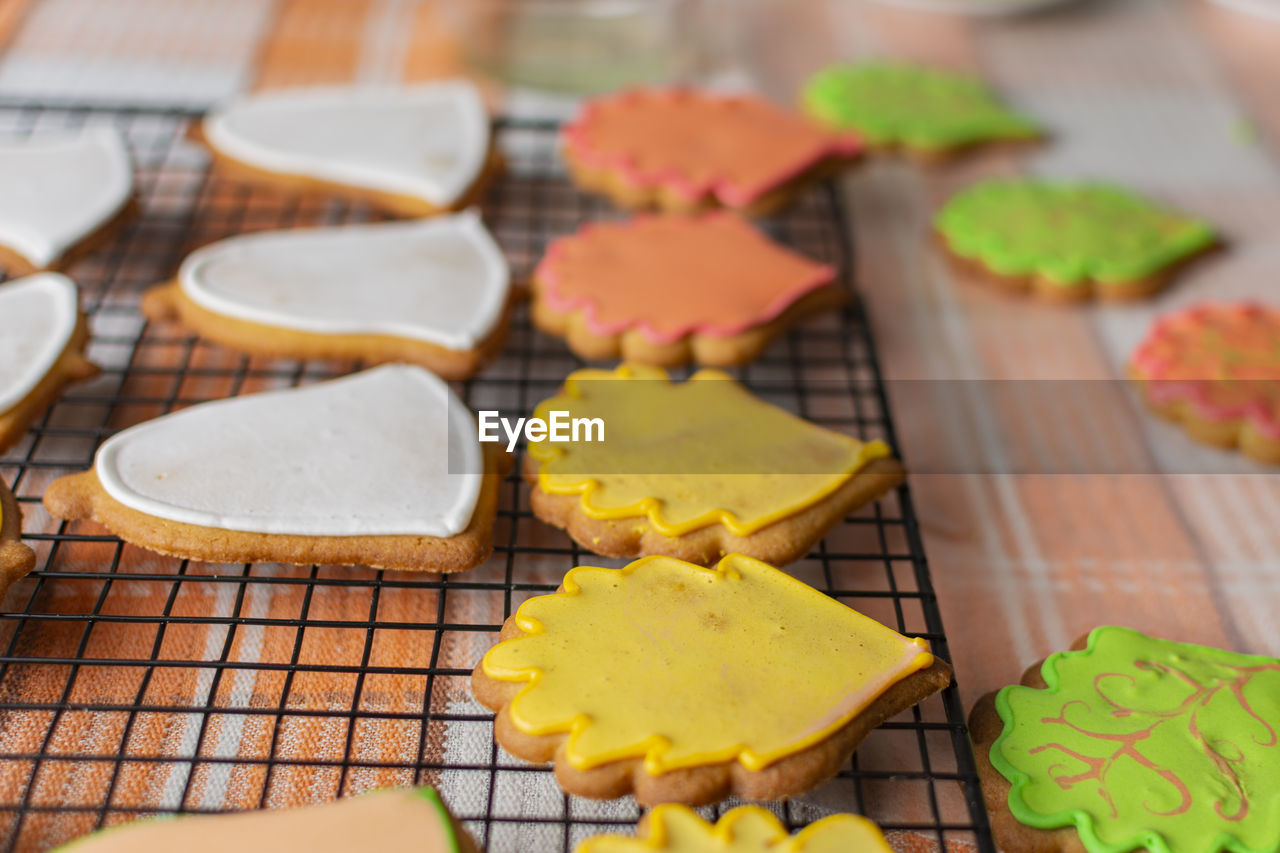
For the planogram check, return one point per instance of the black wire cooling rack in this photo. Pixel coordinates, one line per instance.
(133, 684)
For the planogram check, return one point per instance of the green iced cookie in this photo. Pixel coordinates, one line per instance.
(919, 108)
(1146, 743)
(1067, 234)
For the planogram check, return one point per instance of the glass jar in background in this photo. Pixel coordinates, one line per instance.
(577, 46)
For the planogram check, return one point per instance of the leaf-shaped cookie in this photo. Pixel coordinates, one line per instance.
(1130, 742)
(669, 288)
(1216, 370)
(1068, 241)
(683, 149)
(927, 112)
(386, 820)
(746, 829)
(686, 684)
(697, 470)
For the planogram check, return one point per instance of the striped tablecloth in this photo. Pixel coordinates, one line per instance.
(1050, 502)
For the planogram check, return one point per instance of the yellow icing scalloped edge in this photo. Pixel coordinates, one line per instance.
(722, 833)
(651, 507)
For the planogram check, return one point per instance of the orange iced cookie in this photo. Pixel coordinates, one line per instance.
(686, 684)
(670, 288)
(746, 829)
(679, 149)
(1216, 370)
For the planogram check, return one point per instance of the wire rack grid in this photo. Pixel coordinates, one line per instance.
(133, 684)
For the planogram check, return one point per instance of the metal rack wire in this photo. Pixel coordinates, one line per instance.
(133, 684)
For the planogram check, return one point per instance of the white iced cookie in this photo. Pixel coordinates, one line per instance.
(416, 150)
(57, 194)
(433, 292)
(42, 339)
(379, 468)
(387, 820)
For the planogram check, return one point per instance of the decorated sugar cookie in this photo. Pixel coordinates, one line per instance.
(671, 288)
(1216, 370)
(697, 470)
(380, 468)
(41, 348)
(434, 292)
(687, 684)
(16, 559)
(388, 819)
(925, 112)
(1129, 742)
(414, 151)
(747, 829)
(681, 149)
(62, 197)
(1066, 241)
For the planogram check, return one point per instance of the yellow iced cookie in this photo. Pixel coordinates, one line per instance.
(675, 667)
(746, 829)
(697, 470)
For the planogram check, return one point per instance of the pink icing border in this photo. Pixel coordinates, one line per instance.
(575, 133)
(1195, 393)
(549, 277)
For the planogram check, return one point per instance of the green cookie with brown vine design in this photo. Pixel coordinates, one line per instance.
(927, 112)
(1136, 743)
(1069, 241)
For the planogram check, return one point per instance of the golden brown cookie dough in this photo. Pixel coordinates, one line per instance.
(16, 559)
(686, 684)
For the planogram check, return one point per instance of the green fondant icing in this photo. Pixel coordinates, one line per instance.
(1147, 743)
(917, 107)
(1067, 233)
(446, 824)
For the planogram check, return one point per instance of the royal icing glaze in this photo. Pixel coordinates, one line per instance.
(442, 280)
(673, 828)
(693, 454)
(59, 191)
(389, 451)
(1222, 360)
(685, 666)
(638, 274)
(1145, 743)
(1067, 233)
(386, 820)
(40, 314)
(429, 141)
(736, 148)
(921, 108)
